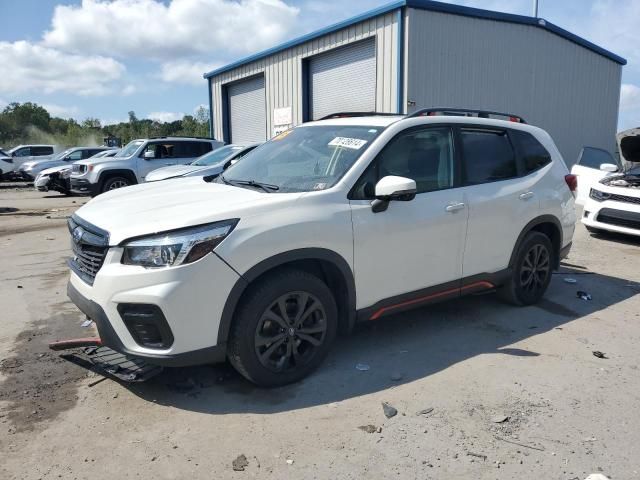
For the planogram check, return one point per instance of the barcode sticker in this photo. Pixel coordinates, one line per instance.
(353, 143)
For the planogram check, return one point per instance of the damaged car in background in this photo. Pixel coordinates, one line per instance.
(57, 179)
(614, 202)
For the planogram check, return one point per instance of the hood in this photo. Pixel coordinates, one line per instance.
(96, 161)
(40, 165)
(155, 207)
(629, 147)
(170, 172)
(59, 168)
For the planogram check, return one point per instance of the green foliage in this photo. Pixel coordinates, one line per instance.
(31, 123)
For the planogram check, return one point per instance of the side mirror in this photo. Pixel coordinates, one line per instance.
(609, 167)
(393, 188)
(149, 154)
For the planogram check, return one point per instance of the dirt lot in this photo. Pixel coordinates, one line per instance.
(504, 392)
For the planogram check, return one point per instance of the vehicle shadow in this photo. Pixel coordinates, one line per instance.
(415, 345)
(615, 237)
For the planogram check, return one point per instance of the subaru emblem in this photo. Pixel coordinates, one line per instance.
(77, 234)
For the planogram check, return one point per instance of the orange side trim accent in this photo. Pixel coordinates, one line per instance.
(383, 310)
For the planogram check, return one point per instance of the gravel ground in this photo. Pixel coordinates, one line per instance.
(483, 390)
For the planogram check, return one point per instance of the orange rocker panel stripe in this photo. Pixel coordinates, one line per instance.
(379, 313)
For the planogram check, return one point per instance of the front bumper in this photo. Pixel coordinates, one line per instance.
(84, 187)
(190, 298)
(25, 176)
(613, 216)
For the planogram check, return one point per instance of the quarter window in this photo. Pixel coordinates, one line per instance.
(534, 155)
(424, 155)
(39, 151)
(488, 156)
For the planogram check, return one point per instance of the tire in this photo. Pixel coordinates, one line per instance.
(271, 350)
(113, 183)
(535, 251)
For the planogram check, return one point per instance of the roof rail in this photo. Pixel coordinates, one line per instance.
(359, 114)
(180, 136)
(465, 112)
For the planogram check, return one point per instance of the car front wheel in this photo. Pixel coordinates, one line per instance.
(532, 271)
(114, 183)
(283, 329)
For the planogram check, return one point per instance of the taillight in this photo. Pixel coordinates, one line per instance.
(572, 181)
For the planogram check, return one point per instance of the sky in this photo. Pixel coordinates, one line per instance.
(103, 58)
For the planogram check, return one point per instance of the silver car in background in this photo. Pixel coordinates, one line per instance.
(29, 170)
(212, 163)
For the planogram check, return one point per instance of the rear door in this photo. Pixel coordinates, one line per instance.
(186, 152)
(501, 202)
(588, 170)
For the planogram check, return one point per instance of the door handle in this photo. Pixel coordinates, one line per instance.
(526, 195)
(454, 207)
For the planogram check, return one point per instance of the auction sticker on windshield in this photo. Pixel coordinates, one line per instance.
(353, 143)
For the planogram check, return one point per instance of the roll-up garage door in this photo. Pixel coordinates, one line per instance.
(343, 80)
(247, 111)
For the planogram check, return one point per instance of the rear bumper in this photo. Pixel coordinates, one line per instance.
(110, 339)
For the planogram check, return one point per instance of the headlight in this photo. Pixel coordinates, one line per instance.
(599, 196)
(177, 247)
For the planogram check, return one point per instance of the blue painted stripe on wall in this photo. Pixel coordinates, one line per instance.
(434, 7)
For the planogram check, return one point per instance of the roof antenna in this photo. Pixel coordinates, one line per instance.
(535, 8)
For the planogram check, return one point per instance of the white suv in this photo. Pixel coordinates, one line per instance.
(346, 219)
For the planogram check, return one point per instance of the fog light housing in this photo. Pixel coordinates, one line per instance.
(146, 324)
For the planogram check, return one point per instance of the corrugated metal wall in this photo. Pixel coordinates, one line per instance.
(283, 71)
(570, 91)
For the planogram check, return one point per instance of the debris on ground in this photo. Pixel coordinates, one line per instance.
(426, 411)
(370, 428)
(583, 295)
(388, 410)
(86, 323)
(569, 280)
(597, 476)
(599, 354)
(363, 367)
(396, 376)
(500, 419)
(289, 462)
(477, 455)
(239, 463)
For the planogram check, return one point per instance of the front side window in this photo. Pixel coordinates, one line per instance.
(424, 155)
(307, 158)
(75, 155)
(23, 152)
(594, 157)
(160, 150)
(488, 156)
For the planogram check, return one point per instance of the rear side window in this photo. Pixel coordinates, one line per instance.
(190, 149)
(594, 157)
(39, 151)
(533, 154)
(488, 156)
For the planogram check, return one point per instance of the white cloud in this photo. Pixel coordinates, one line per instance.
(165, 117)
(60, 110)
(629, 97)
(161, 30)
(185, 72)
(34, 68)
(129, 90)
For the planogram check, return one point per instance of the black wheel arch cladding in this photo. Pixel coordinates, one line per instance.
(547, 225)
(336, 270)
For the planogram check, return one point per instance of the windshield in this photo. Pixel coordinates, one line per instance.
(216, 156)
(305, 158)
(61, 155)
(3, 154)
(130, 148)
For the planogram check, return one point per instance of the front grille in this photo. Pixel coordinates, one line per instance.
(624, 198)
(89, 245)
(619, 218)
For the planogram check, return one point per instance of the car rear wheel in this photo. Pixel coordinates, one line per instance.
(114, 183)
(283, 329)
(532, 271)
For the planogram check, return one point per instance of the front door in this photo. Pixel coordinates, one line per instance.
(416, 244)
(163, 156)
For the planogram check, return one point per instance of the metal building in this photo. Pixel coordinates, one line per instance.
(412, 54)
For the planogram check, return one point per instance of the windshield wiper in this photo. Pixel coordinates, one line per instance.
(267, 187)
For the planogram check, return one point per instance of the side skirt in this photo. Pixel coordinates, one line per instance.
(482, 283)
